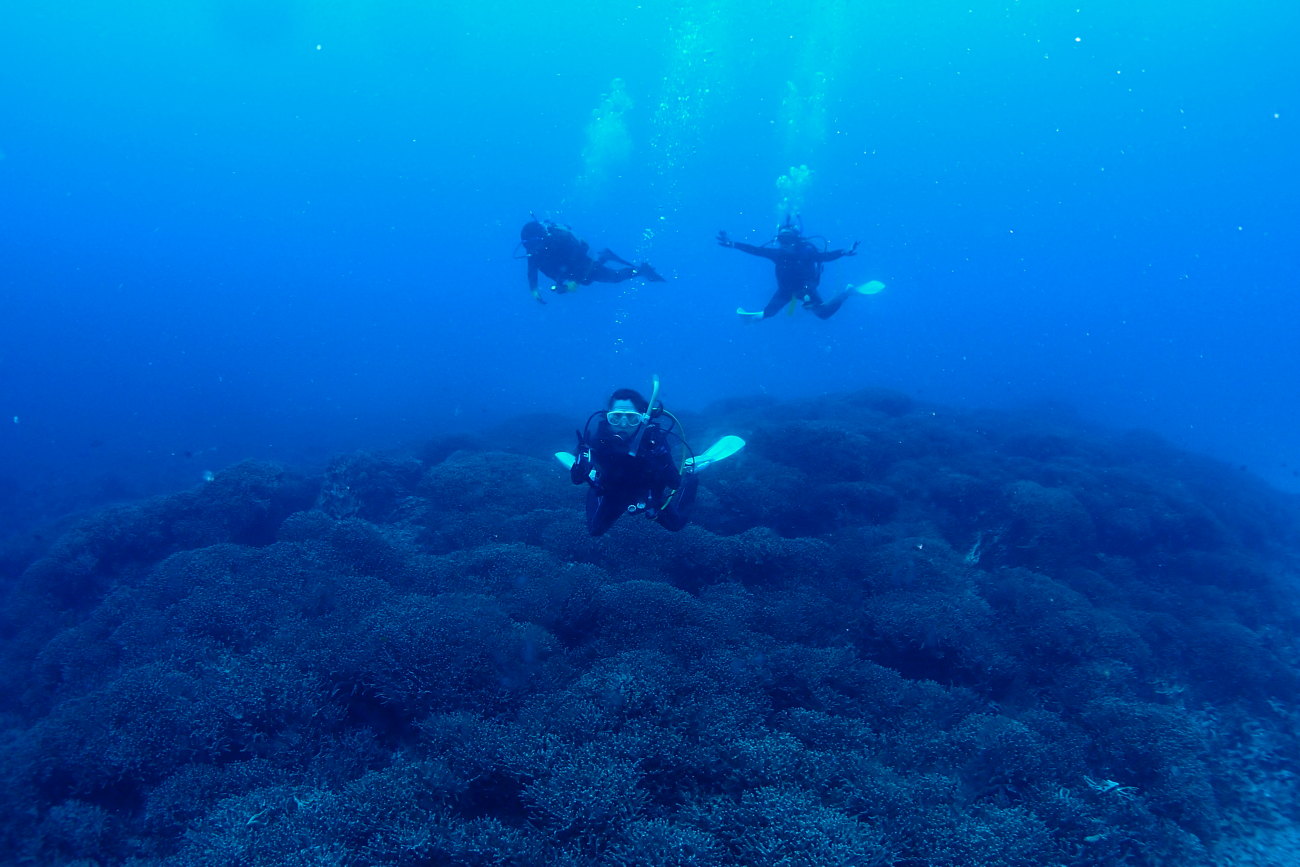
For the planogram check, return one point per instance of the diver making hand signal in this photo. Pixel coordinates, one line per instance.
(799, 266)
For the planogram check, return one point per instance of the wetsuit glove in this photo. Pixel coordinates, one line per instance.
(581, 470)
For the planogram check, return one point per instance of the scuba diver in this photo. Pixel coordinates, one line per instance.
(629, 463)
(798, 272)
(555, 251)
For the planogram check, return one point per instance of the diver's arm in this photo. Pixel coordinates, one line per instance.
(581, 470)
(724, 240)
(762, 252)
(832, 255)
(532, 280)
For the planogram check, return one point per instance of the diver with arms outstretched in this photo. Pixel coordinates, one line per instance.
(798, 272)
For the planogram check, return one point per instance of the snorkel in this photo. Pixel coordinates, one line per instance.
(655, 409)
(649, 414)
(654, 396)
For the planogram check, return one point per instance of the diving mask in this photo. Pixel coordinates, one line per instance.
(624, 418)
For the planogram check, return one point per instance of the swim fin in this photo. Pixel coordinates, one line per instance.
(871, 287)
(749, 315)
(649, 273)
(722, 449)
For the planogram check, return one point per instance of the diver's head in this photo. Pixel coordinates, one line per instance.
(788, 235)
(626, 411)
(532, 233)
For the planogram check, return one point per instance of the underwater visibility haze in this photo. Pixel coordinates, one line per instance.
(240, 229)
(1004, 575)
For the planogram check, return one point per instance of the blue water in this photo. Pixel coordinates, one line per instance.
(244, 229)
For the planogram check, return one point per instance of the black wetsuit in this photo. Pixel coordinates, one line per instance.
(562, 256)
(798, 273)
(648, 480)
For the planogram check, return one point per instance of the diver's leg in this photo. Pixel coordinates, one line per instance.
(646, 270)
(608, 255)
(606, 274)
(828, 309)
(778, 302)
(580, 272)
(678, 512)
(601, 273)
(602, 511)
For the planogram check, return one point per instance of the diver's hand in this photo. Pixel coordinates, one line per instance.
(538, 296)
(723, 240)
(852, 251)
(581, 471)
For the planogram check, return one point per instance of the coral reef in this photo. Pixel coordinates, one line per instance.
(896, 634)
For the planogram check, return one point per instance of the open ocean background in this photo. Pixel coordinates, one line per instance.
(242, 229)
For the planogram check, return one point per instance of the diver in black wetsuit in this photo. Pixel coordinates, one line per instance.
(798, 271)
(556, 252)
(630, 465)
